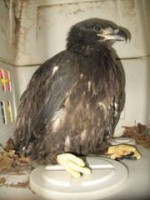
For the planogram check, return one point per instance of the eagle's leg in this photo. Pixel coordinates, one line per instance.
(123, 151)
(72, 164)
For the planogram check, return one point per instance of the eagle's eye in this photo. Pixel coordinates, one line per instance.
(97, 28)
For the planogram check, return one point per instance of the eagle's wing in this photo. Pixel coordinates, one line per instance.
(49, 87)
(119, 96)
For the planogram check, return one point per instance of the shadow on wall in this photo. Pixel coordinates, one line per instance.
(145, 17)
(148, 94)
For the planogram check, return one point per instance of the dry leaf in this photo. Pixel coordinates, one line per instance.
(140, 133)
(5, 162)
(10, 161)
(20, 185)
(2, 181)
(24, 159)
(10, 145)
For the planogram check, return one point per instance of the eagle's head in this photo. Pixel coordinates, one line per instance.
(95, 33)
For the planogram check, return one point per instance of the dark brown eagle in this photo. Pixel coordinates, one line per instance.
(74, 100)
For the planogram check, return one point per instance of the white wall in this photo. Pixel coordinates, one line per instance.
(34, 30)
(22, 77)
(137, 105)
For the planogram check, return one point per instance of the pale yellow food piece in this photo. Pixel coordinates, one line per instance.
(73, 165)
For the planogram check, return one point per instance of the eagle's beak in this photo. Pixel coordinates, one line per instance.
(113, 34)
(120, 35)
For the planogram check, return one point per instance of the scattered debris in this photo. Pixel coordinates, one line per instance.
(20, 185)
(140, 133)
(14, 169)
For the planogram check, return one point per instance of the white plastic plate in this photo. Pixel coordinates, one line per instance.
(107, 177)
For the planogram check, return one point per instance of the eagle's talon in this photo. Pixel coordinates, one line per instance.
(73, 165)
(131, 158)
(119, 158)
(120, 152)
(130, 154)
